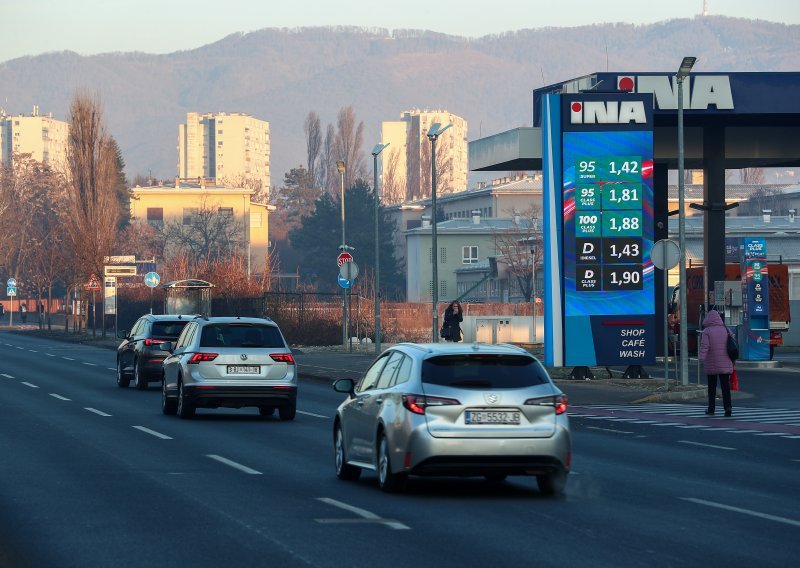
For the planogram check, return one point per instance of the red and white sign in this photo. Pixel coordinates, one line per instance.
(344, 257)
(93, 283)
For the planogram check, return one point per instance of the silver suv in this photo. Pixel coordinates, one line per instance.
(453, 409)
(229, 362)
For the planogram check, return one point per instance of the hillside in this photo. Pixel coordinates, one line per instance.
(281, 75)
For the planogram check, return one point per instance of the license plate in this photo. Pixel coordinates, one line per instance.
(491, 417)
(244, 370)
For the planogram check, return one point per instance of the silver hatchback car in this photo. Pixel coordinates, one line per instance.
(453, 409)
(229, 362)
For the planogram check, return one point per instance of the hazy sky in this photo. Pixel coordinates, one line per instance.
(31, 27)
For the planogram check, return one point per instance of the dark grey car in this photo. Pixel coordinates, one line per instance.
(139, 356)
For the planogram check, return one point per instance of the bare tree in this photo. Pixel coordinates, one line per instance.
(208, 233)
(393, 189)
(327, 164)
(260, 193)
(91, 203)
(515, 245)
(348, 145)
(752, 176)
(313, 131)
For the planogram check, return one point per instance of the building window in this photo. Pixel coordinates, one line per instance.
(219, 143)
(226, 212)
(442, 288)
(155, 216)
(469, 254)
(442, 255)
(189, 215)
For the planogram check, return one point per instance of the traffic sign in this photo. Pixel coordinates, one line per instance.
(344, 257)
(348, 270)
(11, 291)
(11, 282)
(93, 283)
(151, 279)
(666, 254)
(344, 282)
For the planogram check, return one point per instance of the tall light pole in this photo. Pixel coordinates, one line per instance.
(375, 153)
(683, 72)
(433, 134)
(341, 168)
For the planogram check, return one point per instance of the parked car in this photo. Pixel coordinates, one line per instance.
(229, 362)
(139, 356)
(453, 409)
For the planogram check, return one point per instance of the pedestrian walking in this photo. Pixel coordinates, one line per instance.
(24, 311)
(714, 356)
(451, 330)
(2, 311)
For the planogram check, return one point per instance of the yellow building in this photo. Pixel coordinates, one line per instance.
(225, 216)
(44, 137)
(405, 164)
(223, 146)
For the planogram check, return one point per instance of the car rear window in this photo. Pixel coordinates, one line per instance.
(483, 371)
(168, 329)
(241, 335)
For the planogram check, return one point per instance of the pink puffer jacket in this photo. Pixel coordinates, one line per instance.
(714, 345)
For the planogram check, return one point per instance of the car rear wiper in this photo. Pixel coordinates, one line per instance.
(471, 383)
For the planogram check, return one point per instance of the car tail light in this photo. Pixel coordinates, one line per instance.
(150, 342)
(417, 403)
(201, 358)
(283, 358)
(559, 402)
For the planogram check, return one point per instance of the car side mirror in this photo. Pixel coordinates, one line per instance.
(122, 334)
(166, 346)
(347, 386)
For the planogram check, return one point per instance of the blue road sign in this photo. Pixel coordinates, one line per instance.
(11, 291)
(11, 282)
(151, 279)
(344, 282)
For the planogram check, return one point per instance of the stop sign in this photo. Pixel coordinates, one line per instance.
(344, 257)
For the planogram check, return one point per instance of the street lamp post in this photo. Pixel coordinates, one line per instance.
(433, 134)
(340, 167)
(683, 72)
(375, 153)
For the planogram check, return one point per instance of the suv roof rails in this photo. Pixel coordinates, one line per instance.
(201, 316)
(416, 346)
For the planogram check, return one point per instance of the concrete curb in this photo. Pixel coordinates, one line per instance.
(693, 394)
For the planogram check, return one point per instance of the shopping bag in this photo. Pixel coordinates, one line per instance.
(734, 380)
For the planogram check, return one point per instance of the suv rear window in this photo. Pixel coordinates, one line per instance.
(484, 371)
(168, 329)
(241, 335)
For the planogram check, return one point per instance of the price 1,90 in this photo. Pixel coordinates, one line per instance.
(622, 277)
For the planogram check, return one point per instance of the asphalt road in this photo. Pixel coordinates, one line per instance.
(92, 475)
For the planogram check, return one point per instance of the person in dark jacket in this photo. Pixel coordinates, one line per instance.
(451, 330)
(714, 356)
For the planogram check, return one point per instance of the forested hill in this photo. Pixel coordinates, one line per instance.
(279, 75)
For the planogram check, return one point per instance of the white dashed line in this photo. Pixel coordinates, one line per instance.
(29, 385)
(68, 358)
(6, 376)
(58, 396)
(743, 511)
(152, 432)
(771, 434)
(33, 350)
(706, 445)
(608, 430)
(111, 368)
(90, 364)
(693, 426)
(233, 464)
(49, 354)
(21, 348)
(364, 514)
(311, 414)
(98, 412)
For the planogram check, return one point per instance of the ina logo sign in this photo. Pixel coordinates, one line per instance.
(608, 112)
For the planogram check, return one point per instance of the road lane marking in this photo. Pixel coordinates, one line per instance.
(706, 445)
(49, 354)
(6, 376)
(21, 348)
(743, 431)
(233, 464)
(29, 385)
(758, 514)
(98, 412)
(311, 414)
(68, 358)
(770, 434)
(366, 516)
(153, 432)
(608, 430)
(693, 426)
(58, 396)
(90, 364)
(111, 368)
(33, 350)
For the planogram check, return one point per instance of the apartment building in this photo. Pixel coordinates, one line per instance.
(181, 204)
(44, 137)
(405, 164)
(224, 147)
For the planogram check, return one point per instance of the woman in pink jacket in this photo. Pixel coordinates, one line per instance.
(714, 356)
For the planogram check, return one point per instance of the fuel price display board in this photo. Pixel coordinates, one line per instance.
(606, 228)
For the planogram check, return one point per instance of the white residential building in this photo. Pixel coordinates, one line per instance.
(44, 137)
